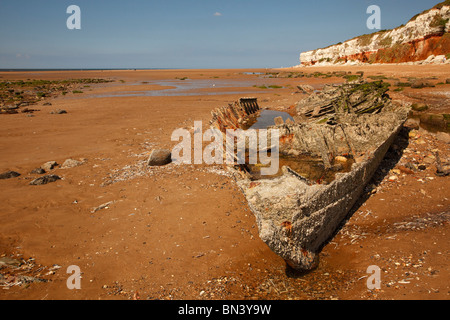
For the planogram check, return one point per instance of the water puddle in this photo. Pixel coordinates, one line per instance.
(308, 167)
(264, 119)
(186, 87)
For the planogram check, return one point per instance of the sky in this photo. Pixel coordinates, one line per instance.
(206, 34)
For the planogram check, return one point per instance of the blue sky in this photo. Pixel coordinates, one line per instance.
(184, 33)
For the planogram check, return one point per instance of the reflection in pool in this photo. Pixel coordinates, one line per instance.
(264, 119)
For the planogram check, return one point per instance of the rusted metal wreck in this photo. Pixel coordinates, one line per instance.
(327, 156)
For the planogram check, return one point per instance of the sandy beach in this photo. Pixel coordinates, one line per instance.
(186, 231)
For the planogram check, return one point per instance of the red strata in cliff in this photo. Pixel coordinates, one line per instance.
(423, 36)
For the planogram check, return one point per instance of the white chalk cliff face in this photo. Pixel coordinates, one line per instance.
(425, 35)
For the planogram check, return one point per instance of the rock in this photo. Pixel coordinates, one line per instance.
(419, 107)
(11, 107)
(413, 134)
(447, 81)
(8, 110)
(439, 59)
(58, 111)
(71, 163)
(340, 159)
(38, 171)
(50, 165)
(278, 121)
(421, 141)
(442, 169)
(444, 137)
(160, 157)
(405, 170)
(430, 58)
(9, 175)
(47, 104)
(411, 166)
(45, 179)
(411, 124)
(422, 166)
(28, 110)
(393, 178)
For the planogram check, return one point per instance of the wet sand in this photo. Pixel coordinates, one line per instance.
(186, 232)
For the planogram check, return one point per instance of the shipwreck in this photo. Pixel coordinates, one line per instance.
(328, 152)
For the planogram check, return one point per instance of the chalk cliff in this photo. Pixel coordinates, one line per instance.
(425, 38)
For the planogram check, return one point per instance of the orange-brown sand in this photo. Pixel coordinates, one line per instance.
(186, 232)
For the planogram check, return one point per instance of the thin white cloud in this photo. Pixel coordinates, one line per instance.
(217, 14)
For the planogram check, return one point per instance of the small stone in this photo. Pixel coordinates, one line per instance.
(340, 159)
(9, 175)
(411, 124)
(419, 107)
(393, 178)
(421, 141)
(444, 137)
(411, 166)
(396, 171)
(405, 170)
(45, 179)
(58, 111)
(71, 163)
(413, 134)
(422, 166)
(159, 157)
(49, 165)
(38, 171)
